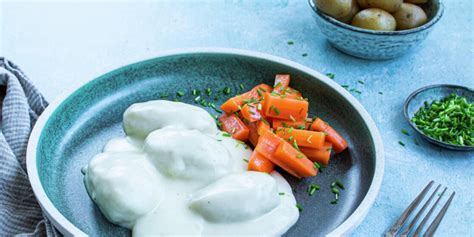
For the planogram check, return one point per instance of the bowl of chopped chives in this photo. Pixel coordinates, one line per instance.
(443, 115)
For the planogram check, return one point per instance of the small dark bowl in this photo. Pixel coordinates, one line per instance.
(376, 45)
(430, 93)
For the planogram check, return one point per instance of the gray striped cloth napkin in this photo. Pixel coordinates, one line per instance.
(20, 106)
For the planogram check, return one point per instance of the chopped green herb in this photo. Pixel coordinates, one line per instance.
(331, 75)
(312, 188)
(281, 194)
(401, 143)
(335, 190)
(300, 208)
(290, 42)
(345, 86)
(361, 82)
(209, 91)
(304, 55)
(276, 110)
(197, 99)
(179, 93)
(292, 118)
(164, 95)
(264, 121)
(277, 85)
(381, 93)
(241, 86)
(450, 120)
(334, 202)
(295, 145)
(195, 92)
(260, 88)
(226, 90)
(246, 160)
(404, 131)
(259, 107)
(339, 184)
(226, 134)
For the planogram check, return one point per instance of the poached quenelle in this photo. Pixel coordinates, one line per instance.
(175, 173)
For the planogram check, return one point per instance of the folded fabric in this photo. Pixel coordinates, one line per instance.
(20, 106)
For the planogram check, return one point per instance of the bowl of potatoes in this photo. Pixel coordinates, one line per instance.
(376, 29)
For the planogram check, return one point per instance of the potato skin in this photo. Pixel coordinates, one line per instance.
(354, 10)
(374, 19)
(409, 16)
(416, 1)
(335, 8)
(387, 5)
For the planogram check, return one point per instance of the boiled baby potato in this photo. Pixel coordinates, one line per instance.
(409, 16)
(374, 19)
(387, 5)
(354, 10)
(335, 8)
(417, 1)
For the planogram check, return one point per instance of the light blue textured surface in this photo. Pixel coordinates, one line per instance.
(60, 44)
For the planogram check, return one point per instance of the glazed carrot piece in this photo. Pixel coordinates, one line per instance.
(258, 162)
(258, 91)
(232, 105)
(283, 108)
(320, 155)
(234, 126)
(292, 93)
(267, 144)
(282, 123)
(303, 138)
(293, 161)
(250, 112)
(281, 83)
(332, 136)
(253, 133)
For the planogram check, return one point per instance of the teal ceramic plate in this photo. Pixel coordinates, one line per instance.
(76, 126)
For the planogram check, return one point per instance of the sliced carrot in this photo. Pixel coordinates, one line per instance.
(283, 108)
(253, 133)
(332, 136)
(292, 93)
(290, 159)
(232, 105)
(283, 123)
(258, 162)
(281, 83)
(234, 125)
(258, 91)
(303, 138)
(320, 155)
(250, 112)
(267, 144)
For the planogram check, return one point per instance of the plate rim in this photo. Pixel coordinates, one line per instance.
(346, 227)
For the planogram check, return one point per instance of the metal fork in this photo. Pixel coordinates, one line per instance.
(398, 225)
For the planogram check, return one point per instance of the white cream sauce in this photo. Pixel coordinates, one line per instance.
(176, 174)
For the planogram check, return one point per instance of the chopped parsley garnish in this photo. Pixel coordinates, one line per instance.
(300, 208)
(331, 75)
(401, 143)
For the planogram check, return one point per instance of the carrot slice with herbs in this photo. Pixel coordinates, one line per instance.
(267, 144)
(283, 108)
(251, 112)
(292, 94)
(303, 138)
(234, 126)
(283, 123)
(281, 83)
(292, 160)
(308, 123)
(258, 162)
(320, 155)
(332, 136)
(232, 105)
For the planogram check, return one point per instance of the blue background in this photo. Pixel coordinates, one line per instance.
(64, 44)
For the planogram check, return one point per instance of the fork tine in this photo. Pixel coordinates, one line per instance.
(425, 219)
(422, 209)
(432, 228)
(399, 223)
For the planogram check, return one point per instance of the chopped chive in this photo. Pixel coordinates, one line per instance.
(299, 155)
(381, 93)
(259, 92)
(334, 202)
(361, 82)
(295, 145)
(281, 193)
(335, 190)
(292, 118)
(290, 42)
(259, 107)
(345, 86)
(241, 86)
(404, 131)
(262, 89)
(195, 92)
(274, 93)
(401, 143)
(264, 121)
(226, 134)
(339, 184)
(226, 90)
(179, 93)
(290, 130)
(300, 208)
(197, 99)
(304, 55)
(277, 111)
(164, 95)
(246, 160)
(331, 75)
(277, 84)
(209, 91)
